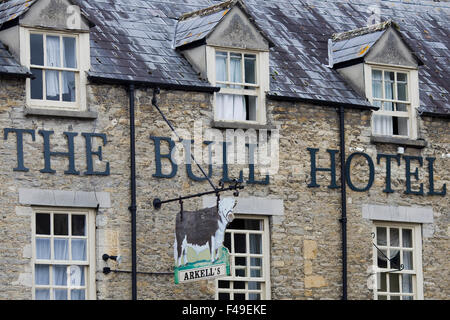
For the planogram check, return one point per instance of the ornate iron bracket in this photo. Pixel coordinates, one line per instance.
(236, 186)
(401, 266)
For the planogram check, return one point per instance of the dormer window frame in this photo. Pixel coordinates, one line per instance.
(80, 71)
(261, 86)
(412, 97)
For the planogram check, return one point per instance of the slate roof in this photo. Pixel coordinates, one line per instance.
(134, 40)
(354, 47)
(9, 66)
(195, 28)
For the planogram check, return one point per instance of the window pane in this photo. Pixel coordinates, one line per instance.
(61, 224)
(37, 49)
(238, 284)
(388, 106)
(53, 51)
(76, 276)
(402, 77)
(36, 84)
(240, 261)
(77, 294)
(68, 86)
(42, 223)
(52, 84)
(250, 68)
(42, 294)
(394, 282)
(221, 66)
(408, 260)
(253, 285)
(395, 298)
(407, 238)
(224, 284)
(79, 249)
(240, 272)
(70, 60)
(227, 241)
(239, 296)
(407, 283)
(59, 275)
(382, 298)
(382, 260)
(60, 294)
(255, 272)
(61, 247)
(402, 126)
(377, 82)
(389, 85)
(224, 296)
(254, 296)
(402, 91)
(381, 236)
(239, 243)
(255, 243)
(394, 237)
(257, 262)
(42, 274)
(382, 125)
(382, 284)
(395, 258)
(407, 298)
(401, 107)
(43, 249)
(250, 103)
(78, 225)
(235, 68)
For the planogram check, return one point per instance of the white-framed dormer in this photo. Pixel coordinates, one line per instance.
(60, 78)
(232, 53)
(395, 90)
(243, 77)
(51, 39)
(381, 66)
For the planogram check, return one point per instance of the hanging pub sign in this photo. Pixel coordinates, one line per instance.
(198, 249)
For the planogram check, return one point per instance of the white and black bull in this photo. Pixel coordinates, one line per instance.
(202, 229)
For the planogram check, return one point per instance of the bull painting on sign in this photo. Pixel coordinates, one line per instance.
(198, 249)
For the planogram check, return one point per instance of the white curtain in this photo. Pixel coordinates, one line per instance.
(60, 272)
(382, 124)
(230, 106)
(53, 60)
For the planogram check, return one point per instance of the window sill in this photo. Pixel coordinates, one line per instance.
(222, 124)
(406, 142)
(87, 115)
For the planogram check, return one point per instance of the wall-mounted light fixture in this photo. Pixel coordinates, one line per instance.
(106, 257)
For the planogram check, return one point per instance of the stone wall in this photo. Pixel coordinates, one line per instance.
(305, 241)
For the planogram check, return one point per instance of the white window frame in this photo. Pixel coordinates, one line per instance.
(262, 81)
(83, 65)
(412, 92)
(417, 275)
(265, 279)
(90, 249)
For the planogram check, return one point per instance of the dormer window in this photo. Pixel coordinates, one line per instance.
(54, 65)
(380, 65)
(390, 93)
(51, 39)
(228, 49)
(236, 75)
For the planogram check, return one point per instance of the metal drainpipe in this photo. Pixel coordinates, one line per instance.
(132, 207)
(343, 219)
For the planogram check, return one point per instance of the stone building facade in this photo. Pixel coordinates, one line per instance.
(65, 169)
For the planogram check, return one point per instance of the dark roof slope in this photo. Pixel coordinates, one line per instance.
(9, 66)
(134, 40)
